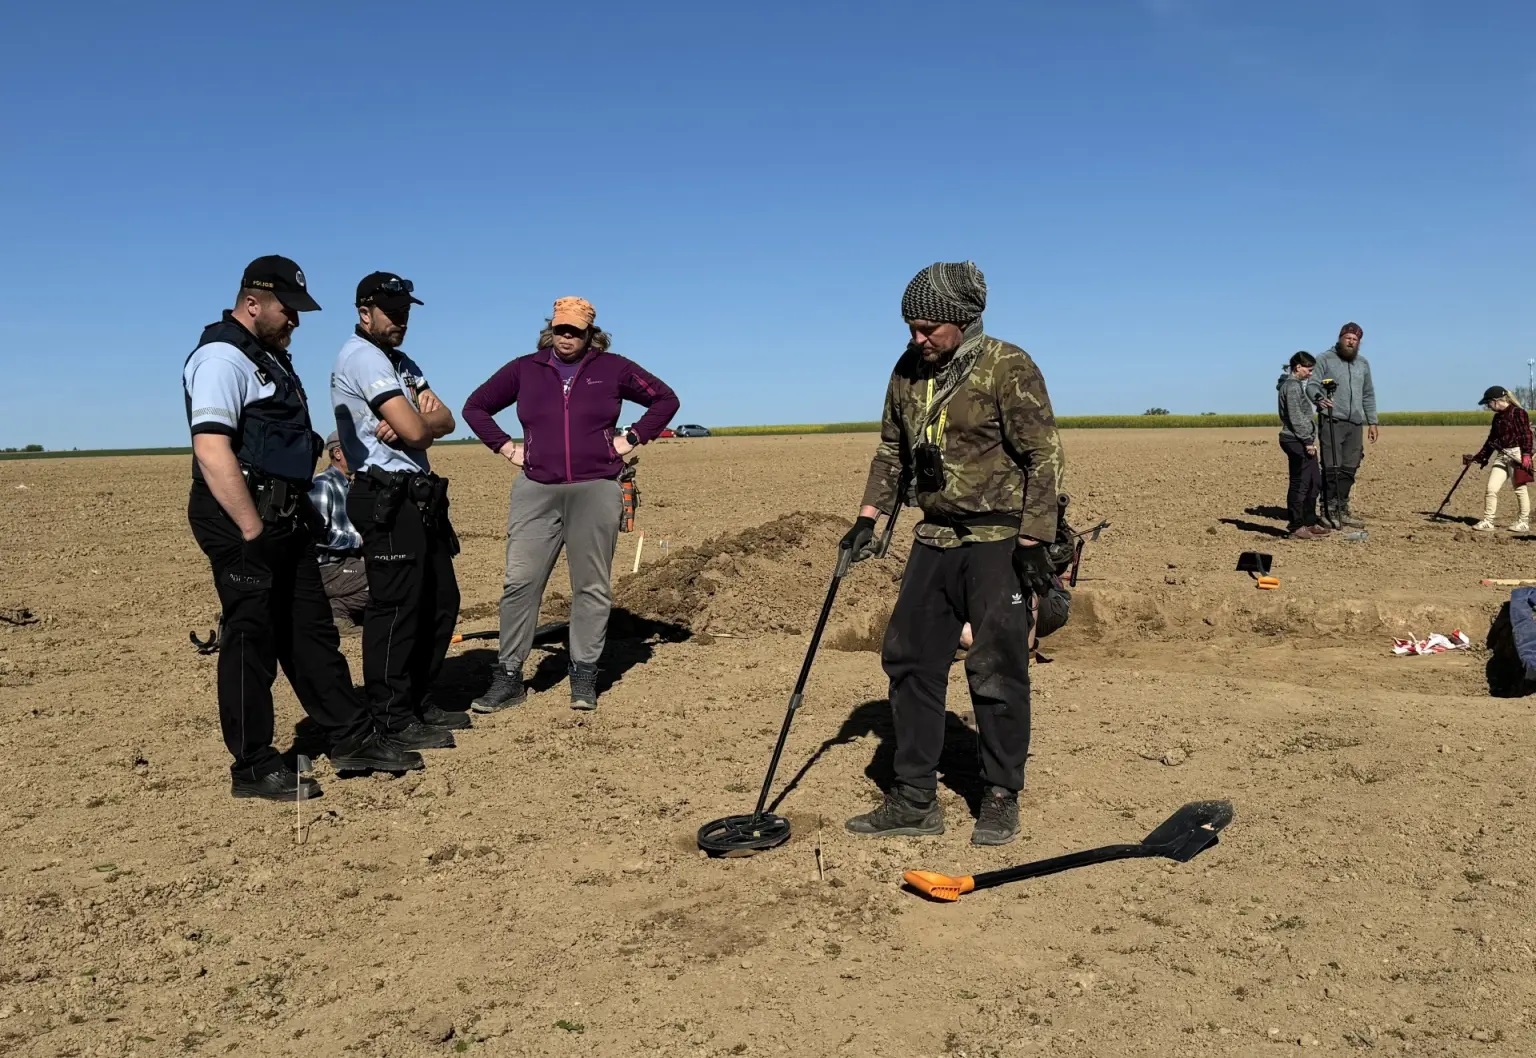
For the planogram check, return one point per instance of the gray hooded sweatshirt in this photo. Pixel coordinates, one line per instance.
(1355, 399)
(1297, 413)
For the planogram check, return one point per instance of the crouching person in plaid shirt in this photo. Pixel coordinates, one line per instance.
(338, 544)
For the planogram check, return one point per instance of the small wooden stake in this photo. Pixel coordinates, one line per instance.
(639, 547)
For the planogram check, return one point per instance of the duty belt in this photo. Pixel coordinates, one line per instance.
(275, 499)
(426, 491)
(963, 524)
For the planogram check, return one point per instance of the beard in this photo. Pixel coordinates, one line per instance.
(1348, 355)
(277, 335)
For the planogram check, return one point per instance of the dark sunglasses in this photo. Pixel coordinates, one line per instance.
(565, 330)
(391, 286)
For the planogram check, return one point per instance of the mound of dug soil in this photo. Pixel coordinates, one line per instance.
(770, 578)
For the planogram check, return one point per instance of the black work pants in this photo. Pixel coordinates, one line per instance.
(1342, 446)
(941, 590)
(274, 613)
(1306, 479)
(413, 602)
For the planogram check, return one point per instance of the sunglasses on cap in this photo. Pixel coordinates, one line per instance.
(392, 286)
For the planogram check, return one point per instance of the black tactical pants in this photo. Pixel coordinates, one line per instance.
(413, 602)
(274, 613)
(941, 590)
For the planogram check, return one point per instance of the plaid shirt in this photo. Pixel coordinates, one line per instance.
(328, 493)
(1511, 429)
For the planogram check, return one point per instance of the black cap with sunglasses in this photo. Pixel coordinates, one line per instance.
(386, 290)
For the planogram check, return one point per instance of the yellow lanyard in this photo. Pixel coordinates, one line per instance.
(934, 432)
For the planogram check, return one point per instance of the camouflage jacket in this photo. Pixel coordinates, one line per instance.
(1002, 454)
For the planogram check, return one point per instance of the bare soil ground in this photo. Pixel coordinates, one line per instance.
(537, 891)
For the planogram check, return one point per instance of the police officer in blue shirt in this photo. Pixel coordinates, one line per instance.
(253, 453)
(387, 417)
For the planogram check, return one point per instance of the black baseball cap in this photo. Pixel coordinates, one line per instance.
(386, 289)
(1493, 393)
(283, 279)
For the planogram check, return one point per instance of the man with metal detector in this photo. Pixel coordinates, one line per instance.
(253, 451)
(970, 417)
(1347, 415)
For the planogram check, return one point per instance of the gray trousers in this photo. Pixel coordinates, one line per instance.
(1342, 451)
(582, 517)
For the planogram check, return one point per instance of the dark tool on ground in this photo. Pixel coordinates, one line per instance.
(1182, 836)
(744, 835)
(211, 644)
(1255, 563)
(1440, 512)
(1067, 550)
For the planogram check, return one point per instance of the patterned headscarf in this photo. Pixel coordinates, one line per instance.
(1351, 328)
(946, 292)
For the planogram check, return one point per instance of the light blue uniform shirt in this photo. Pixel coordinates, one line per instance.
(364, 378)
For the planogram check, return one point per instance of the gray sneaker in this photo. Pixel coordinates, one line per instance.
(583, 686)
(905, 812)
(506, 691)
(998, 821)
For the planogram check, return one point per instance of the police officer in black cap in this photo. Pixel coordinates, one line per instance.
(387, 418)
(253, 454)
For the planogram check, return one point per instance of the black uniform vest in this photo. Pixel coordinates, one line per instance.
(273, 436)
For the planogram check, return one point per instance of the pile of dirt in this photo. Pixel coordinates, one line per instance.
(770, 578)
(1099, 614)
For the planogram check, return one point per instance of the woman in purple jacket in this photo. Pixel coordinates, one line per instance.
(569, 395)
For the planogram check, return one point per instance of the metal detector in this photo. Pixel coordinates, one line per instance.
(1440, 512)
(1182, 836)
(744, 835)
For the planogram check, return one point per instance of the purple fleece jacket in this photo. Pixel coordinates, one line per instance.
(569, 437)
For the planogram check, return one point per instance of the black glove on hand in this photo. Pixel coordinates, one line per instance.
(1033, 567)
(859, 538)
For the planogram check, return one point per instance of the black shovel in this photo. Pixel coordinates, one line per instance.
(1182, 836)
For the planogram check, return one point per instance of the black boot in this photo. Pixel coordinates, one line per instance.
(583, 686)
(507, 691)
(998, 821)
(417, 735)
(374, 752)
(279, 784)
(905, 812)
(437, 716)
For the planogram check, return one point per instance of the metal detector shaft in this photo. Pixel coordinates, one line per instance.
(844, 563)
(1070, 861)
(1464, 468)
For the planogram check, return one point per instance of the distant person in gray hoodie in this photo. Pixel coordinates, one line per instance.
(1347, 414)
(1298, 440)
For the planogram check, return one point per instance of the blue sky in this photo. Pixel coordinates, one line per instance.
(1168, 197)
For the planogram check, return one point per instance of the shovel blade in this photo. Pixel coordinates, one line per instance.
(1190, 831)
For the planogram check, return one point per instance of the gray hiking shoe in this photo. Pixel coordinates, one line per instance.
(1346, 517)
(905, 812)
(583, 686)
(506, 691)
(998, 821)
(1329, 516)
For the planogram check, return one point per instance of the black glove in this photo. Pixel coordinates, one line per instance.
(1033, 567)
(859, 538)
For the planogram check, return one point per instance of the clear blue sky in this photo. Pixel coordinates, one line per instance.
(1168, 197)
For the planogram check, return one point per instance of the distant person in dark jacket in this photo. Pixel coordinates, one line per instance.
(1298, 440)
(1508, 454)
(569, 395)
(1348, 416)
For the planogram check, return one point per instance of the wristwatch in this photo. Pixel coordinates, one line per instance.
(631, 437)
